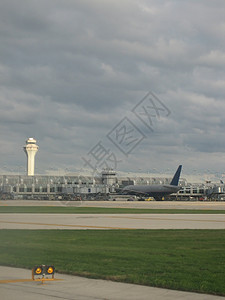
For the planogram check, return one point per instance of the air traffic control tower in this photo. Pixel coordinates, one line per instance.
(30, 149)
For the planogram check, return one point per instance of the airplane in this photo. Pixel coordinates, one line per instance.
(158, 191)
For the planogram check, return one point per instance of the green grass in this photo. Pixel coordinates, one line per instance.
(101, 210)
(190, 260)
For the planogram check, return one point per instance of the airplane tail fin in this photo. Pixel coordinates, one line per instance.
(176, 176)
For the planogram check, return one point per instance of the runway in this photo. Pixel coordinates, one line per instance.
(112, 221)
(73, 287)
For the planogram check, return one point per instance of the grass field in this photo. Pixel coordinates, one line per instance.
(191, 260)
(101, 210)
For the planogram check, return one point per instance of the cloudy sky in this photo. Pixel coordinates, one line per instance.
(74, 75)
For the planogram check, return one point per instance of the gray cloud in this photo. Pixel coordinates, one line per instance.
(70, 71)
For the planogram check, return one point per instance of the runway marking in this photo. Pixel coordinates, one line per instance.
(166, 219)
(65, 225)
(28, 280)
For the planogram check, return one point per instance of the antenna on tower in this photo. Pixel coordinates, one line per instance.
(30, 149)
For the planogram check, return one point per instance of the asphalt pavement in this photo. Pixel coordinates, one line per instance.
(205, 205)
(16, 284)
(111, 221)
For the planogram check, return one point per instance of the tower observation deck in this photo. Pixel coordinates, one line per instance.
(30, 149)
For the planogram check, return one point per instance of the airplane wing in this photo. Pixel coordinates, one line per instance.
(136, 192)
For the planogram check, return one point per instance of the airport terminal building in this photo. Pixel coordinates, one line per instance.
(102, 187)
(73, 187)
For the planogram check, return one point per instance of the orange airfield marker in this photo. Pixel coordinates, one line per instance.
(28, 280)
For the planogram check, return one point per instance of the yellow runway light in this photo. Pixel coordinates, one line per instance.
(38, 270)
(50, 270)
(43, 270)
